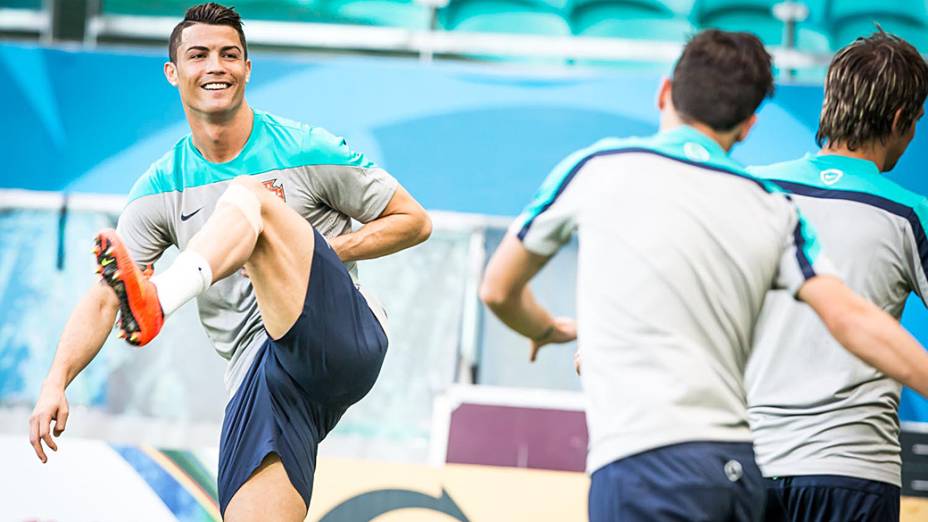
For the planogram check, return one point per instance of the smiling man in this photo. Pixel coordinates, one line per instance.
(248, 190)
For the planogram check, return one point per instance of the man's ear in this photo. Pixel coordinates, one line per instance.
(745, 128)
(663, 95)
(170, 72)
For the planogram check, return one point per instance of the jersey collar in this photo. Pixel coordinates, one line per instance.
(847, 165)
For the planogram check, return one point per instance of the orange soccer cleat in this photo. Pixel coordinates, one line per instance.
(140, 314)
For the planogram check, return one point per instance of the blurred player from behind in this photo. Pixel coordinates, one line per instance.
(678, 247)
(248, 189)
(826, 426)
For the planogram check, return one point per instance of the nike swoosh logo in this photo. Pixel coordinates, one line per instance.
(185, 217)
(106, 261)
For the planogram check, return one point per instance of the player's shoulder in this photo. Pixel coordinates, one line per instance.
(305, 144)
(896, 193)
(794, 169)
(161, 176)
(604, 147)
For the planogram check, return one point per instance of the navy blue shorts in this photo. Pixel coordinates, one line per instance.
(688, 482)
(831, 498)
(300, 385)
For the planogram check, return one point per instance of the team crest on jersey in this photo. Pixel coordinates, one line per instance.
(276, 188)
(831, 176)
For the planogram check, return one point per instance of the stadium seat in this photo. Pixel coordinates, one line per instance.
(914, 31)
(21, 4)
(392, 13)
(282, 10)
(628, 19)
(843, 9)
(905, 18)
(757, 17)
(506, 16)
(809, 37)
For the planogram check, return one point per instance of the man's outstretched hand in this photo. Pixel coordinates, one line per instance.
(51, 406)
(562, 330)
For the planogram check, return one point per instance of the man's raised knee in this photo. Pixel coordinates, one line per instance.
(243, 194)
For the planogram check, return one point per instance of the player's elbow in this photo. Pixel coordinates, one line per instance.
(424, 227)
(494, 296)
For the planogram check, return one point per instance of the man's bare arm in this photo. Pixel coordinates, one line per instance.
(402, 224)
(868, 332)
(506, 293)
(83, 336)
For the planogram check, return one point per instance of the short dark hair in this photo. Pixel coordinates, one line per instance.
(721, 78)
(868, 81)
(209, 13)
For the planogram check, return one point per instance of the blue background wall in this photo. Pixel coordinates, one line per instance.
(459, 137)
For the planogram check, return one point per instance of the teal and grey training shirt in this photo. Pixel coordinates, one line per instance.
(678, 247)
(815, 408)
(316, 174)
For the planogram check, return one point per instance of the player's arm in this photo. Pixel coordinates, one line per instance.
(506, 293)
(83, 336)
(868, 332)
(403, 223)
(142, 225)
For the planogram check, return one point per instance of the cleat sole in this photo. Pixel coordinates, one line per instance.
(107, 267)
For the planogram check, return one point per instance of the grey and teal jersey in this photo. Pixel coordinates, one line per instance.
(313, 171)
(678, 246)
(816, 409)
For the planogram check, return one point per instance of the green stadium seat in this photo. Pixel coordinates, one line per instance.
(506, 16)
(809, 37)
(281, 10)
(392, 13)
(21, 4)
(608, 20)
(525, 17)
(846, 30)
(139, 8)
(839, 10)
(757, 16)
(634, 19)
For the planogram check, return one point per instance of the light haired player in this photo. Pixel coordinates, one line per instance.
(678, 247)
(826, 425)
(248, 189)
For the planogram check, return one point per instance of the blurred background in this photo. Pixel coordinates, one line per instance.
(469, 103)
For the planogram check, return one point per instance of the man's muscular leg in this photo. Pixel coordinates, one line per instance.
(266, 495)
(254, 228)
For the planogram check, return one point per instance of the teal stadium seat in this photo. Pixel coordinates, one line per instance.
(908, 19)
(407, 14)
(655, 20)
(21, 4)
(280, 10)
(756, 16)
(525, 17)
(633, 19)
(536, 17)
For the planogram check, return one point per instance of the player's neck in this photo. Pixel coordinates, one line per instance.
(221, 139)
(870, 152)
(726, 140)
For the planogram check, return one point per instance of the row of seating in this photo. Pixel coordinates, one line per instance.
(830, 23)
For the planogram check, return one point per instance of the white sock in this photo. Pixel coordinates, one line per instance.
(186, 278)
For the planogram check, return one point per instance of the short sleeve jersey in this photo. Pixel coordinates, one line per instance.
(677, 247)
(313, 171)
(815, 408)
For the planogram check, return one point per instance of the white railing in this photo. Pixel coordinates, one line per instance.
(428, 43)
